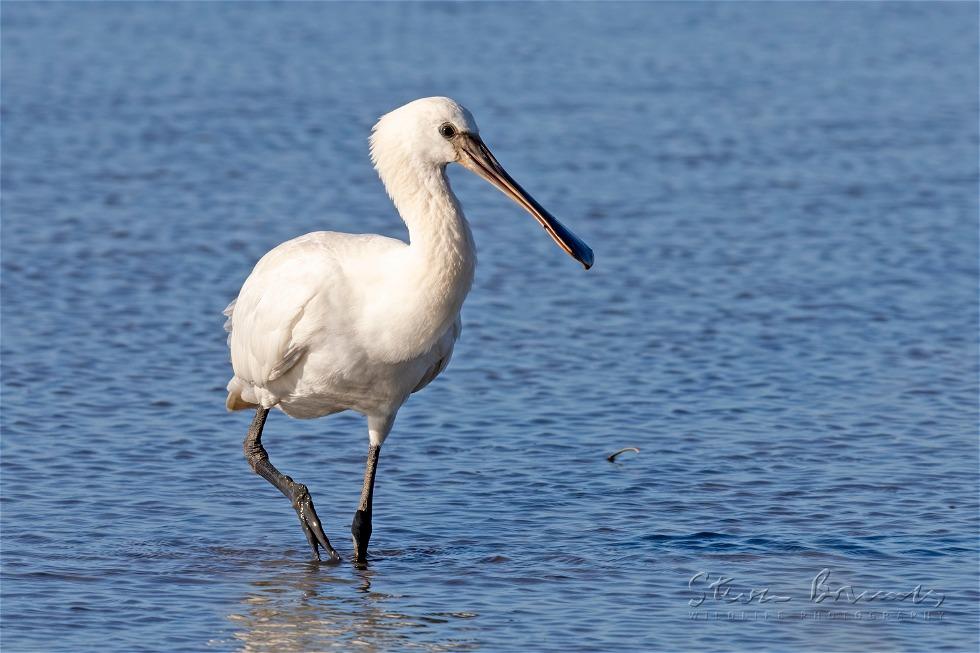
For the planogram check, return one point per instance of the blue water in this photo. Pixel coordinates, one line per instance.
(782, 199)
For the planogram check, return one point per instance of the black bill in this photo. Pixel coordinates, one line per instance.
(475, 156)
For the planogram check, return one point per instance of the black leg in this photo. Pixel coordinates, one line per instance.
(360, 527)
(297, 493)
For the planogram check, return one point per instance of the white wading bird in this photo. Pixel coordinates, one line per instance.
(329, 322)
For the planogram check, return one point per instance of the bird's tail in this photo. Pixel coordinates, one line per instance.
(235, 400)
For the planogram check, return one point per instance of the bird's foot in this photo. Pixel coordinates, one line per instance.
(308, 519)
(360, 530)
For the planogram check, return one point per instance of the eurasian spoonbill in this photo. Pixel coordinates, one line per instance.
(330, 321)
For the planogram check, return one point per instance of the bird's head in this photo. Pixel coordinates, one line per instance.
(422, 131)
(433, 132)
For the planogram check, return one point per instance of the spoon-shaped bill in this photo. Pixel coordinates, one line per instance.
(475, 156)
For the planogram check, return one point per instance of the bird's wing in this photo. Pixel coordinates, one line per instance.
(228, 313)
(263, 337)
(301, 278)
(262, 320)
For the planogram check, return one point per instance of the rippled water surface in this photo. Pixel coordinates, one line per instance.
(782, 317)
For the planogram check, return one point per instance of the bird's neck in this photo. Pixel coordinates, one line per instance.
(439, 235)
(441, 259)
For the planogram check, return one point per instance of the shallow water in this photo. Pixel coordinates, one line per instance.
(782, 317)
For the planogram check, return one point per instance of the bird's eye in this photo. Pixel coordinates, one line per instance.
(447, 130)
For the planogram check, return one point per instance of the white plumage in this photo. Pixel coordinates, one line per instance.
(329, 321)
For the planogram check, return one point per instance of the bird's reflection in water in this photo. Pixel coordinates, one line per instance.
(314, 607)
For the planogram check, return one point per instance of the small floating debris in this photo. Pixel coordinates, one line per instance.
(612, 457)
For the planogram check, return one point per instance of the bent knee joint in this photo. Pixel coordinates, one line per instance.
(255, 455)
